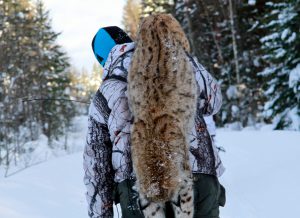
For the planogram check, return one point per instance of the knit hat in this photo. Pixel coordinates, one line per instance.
(105, 39)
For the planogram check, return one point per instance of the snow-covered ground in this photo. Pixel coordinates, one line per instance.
(262, 180)
(262, 174)
(50, 190)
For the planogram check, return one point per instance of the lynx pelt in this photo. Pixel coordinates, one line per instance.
(162, 98)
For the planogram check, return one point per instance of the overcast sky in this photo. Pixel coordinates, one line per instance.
(79, 20)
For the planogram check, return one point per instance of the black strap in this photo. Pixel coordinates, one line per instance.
(116, 77)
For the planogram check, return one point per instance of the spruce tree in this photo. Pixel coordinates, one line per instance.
(282, 54)
(16, 21)
(241, 82)
(32, 66)
(249, 87)
(52, 78)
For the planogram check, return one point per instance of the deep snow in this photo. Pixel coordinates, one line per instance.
(262, 180)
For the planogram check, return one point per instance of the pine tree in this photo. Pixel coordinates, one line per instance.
(282, 54)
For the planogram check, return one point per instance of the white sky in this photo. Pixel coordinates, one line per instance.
(79, 20)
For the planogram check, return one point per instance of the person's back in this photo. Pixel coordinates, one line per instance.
(107, 156)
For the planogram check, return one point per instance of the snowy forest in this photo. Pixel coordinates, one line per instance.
(251, 46)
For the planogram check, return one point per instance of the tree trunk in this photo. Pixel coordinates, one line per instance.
(234, 44)
(190, 27)
(213, 33)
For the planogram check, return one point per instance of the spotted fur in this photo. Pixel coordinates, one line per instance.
(162, 98)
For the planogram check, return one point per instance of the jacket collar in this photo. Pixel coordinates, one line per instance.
(116, 52)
